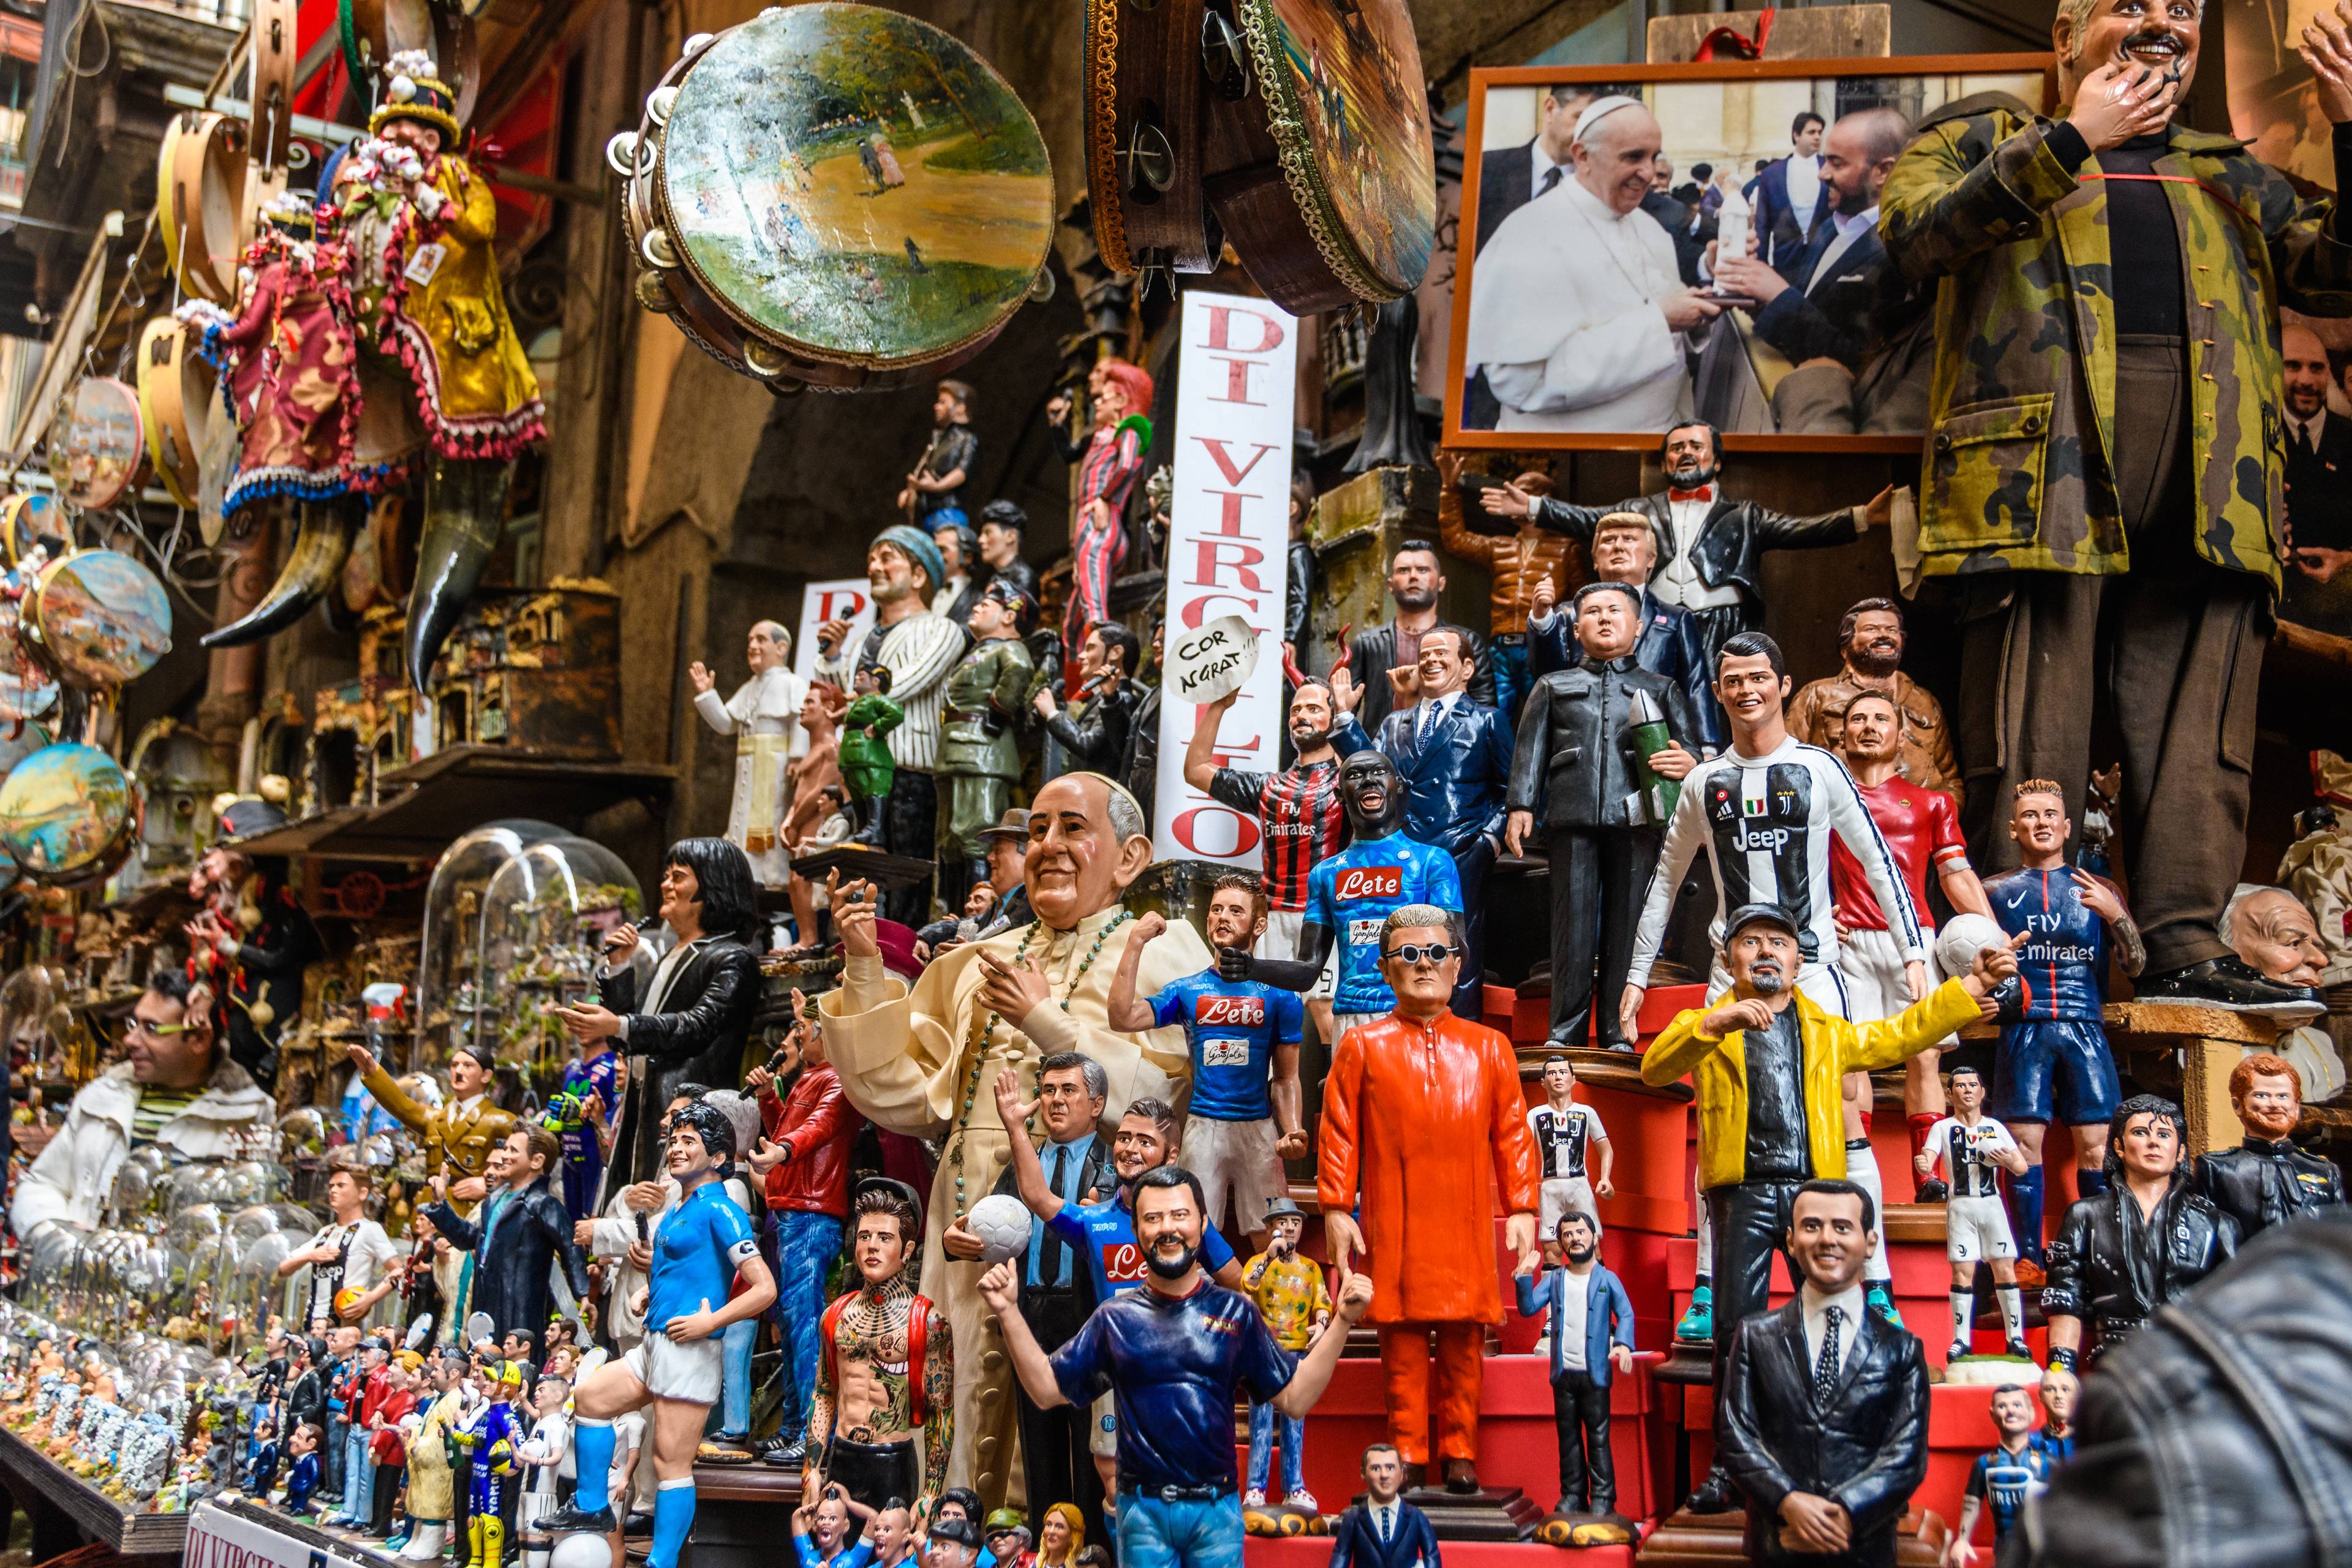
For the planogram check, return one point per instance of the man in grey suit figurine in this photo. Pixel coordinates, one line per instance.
(1710, 548)
(1821, 1418)
(1591, 1320)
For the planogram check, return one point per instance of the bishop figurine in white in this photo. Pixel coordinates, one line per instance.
(764, 718)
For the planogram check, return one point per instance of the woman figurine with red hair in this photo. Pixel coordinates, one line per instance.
(1110, 462)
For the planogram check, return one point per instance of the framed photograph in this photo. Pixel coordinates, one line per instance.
(1589, 310)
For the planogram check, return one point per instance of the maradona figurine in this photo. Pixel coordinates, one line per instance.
(703, 1246)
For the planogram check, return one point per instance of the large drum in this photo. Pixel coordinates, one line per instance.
(837, 195)
(100, 618)
(200, 202)
(67, 813)
(1296, 131)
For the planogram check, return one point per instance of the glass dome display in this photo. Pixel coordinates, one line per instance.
(545, 913)
(453, 932)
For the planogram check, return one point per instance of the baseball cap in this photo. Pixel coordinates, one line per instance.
(1747, 915)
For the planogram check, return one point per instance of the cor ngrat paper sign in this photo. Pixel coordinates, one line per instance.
(1220, 657)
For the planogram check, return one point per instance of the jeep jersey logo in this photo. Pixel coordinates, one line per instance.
(1239, 1012)
(1370, 882)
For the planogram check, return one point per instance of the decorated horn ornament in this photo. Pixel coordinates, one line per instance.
(311, 571)
(465, 512)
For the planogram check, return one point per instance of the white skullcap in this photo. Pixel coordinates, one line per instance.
(1600, 108)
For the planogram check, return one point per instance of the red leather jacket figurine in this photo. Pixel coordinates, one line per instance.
(819, 1125)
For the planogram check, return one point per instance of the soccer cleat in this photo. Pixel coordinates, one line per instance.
(1879, 1302)
(570, 1521)
(1697, 1324)
(2018, 1351)
(1957, 1348)
(1934, 1190)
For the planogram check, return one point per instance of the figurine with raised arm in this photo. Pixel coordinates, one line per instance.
(700, 1248)
(933, 493)
(1528, 566)
(1593, 742)
(1971, 1146)
(764, 718)
(1769, 1065)
(1591, 1320)
(882, 1418)
(1416, 581)
(2052, 1060)
(1110, 462)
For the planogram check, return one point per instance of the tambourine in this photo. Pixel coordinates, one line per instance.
(270, 120)
(97, 448)
(178, 400)
(69, 813)
(30, 518)
(1316, 162)
(836, 195)
(28, 690)
(98, 618)
(200, 202)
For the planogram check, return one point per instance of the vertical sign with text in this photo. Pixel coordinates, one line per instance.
(1228, 550)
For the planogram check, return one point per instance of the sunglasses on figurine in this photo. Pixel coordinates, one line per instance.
(1435, 952)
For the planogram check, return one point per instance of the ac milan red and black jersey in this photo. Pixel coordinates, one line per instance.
(1299, 814)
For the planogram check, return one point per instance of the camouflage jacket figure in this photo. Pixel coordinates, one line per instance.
(2023, 415)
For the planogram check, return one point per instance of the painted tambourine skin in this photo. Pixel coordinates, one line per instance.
(1349, 109)
(28, 690)
(65, 809)
(836, 185)
(98, 447)
(100, 618)
(26, 519)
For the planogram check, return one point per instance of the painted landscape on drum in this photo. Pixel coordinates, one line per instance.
(1355, 69)
(856, 181)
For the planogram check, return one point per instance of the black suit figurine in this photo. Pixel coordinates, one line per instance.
(517, 1249)
(1850, 1429)
(1358, 1542)
(2260, 1183)
(1828, 311)
(1574, 764)
(1372, 653)
(2318, 476)
(1669, 646)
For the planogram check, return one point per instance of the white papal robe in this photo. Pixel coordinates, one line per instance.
(907, 1059)
(764, 716)
(1565, 318)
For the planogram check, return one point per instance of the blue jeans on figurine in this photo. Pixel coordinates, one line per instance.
(358, 1502)
(806, 1245)
(1156, 1533)
(1264, 1418)
(1512, 682)
(735, 1379)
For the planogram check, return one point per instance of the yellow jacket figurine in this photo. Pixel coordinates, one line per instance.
(457, 1135)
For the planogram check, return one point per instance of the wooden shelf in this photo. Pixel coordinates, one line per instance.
(38, 1480)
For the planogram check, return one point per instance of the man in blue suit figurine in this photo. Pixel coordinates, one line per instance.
(1384, 1530)
(1591, 1320)
(1452, 756)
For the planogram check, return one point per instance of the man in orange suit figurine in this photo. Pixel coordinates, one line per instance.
(1425, 1125)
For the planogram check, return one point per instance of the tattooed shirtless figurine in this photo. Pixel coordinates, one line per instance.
(885, 1369)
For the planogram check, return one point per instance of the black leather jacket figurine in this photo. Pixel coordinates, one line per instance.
(2117, 1260)
(518, 1238)
(696, 1013)
(1575, 773)
(2266, 1179)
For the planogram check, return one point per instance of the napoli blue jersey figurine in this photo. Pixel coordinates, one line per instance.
(1352, 893)
(589, 1102)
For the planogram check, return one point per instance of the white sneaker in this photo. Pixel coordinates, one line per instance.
(1303, 1500)
(1253, 1498)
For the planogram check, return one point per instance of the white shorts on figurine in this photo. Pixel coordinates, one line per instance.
(1977, 1229)
(1281, 941)
(1871, 966)
(691, 1372)
(1862, 1170)
(1343, 1022)
(1822, 982)
(1235, 1157)
(1556, 1196)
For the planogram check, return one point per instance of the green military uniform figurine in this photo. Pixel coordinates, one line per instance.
(979, 754)
(866, 768)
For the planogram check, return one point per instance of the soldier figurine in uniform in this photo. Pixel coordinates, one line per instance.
(980, 753)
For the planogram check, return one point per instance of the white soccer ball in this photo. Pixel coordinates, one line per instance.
(582, 1551)
(1001, 1221)
(1962, 937)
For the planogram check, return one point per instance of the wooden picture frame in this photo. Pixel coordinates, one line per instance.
(1952, 77)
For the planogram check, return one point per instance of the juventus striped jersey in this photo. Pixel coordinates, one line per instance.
(1766, 823)
(1299, 814)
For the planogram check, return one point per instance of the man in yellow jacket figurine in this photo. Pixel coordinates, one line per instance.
(1769, 1067)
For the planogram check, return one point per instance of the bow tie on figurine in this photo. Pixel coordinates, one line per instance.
(1703, 492)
